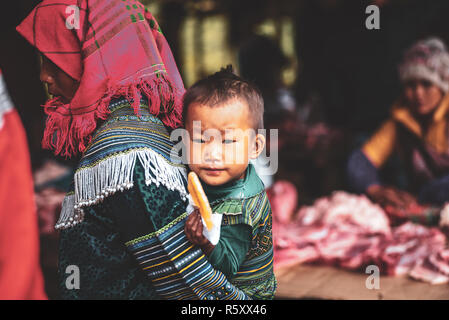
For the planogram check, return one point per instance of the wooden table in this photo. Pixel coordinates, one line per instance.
(320, 282)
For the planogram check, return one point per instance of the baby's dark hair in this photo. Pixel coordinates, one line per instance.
(223, 86)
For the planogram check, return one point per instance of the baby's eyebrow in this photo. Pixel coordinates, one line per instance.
(220, 130)
(229, 129)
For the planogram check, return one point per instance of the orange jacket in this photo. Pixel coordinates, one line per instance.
(382, 144)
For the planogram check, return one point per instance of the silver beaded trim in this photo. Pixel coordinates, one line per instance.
(69, 215)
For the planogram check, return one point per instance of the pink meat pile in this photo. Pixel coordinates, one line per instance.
(351, 232)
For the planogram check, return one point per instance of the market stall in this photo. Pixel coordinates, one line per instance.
(333, 248)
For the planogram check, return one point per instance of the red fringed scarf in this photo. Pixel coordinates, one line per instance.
(113, 48)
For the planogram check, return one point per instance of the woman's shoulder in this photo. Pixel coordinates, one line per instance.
(124, 142)
(124, 131)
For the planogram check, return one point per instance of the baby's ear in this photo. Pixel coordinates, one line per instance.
(257, 146)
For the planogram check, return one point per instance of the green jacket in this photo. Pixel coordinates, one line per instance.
(245, 250)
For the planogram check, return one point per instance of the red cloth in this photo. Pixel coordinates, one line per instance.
(118, 50)
(20, 272)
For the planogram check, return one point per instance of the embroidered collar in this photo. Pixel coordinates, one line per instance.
(240, 189)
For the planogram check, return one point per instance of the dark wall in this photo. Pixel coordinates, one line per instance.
(20, 67)
(353, 69)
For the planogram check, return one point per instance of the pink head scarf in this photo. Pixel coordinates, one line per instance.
(113, 48)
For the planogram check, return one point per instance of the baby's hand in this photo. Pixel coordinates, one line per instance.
(194, 232)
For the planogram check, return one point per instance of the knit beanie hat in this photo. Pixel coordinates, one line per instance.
(427, 59)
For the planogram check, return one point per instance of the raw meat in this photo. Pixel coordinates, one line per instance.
(425, 271)
(410, 244)
(284, 200)
(345, 208)
(349, 231)
(334, 231)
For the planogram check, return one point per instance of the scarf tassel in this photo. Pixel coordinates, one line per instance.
(70, 134)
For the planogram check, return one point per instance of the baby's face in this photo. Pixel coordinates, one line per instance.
(221, 141)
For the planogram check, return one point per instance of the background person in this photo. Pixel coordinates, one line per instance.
(418, 130)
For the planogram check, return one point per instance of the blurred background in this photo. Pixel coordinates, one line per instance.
(328, 81)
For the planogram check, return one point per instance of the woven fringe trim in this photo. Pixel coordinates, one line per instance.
(69, 216)
(94, 184)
